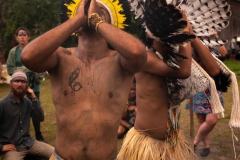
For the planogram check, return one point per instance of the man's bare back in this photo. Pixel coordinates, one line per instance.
(89, 100)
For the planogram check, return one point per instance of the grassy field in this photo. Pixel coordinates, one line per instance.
(221, 137)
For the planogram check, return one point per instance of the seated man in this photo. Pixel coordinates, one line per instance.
(129, 113)
(15, 112)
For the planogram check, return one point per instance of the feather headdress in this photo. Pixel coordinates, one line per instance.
(119, 11)
(206, 16)
(162, 22)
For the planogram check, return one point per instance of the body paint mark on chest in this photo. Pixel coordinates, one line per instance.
(75, 86)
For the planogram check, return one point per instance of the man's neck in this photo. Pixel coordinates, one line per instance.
(17, 98)
(90, 50)
(21, 46)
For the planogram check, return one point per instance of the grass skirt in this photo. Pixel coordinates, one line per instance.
(139, 146)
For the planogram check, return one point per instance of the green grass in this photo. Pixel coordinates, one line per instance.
(221, 138)
(234, 66)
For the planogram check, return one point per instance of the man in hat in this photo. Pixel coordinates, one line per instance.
(90, 83)
(16, 109)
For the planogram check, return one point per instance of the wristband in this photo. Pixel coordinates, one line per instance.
(94, 20)
(34, 99)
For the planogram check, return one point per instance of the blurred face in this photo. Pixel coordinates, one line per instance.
(104, 13)
(19, 86)
(22, 37)
(132, 93)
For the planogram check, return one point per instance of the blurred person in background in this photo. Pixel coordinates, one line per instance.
(15, 112)
(129, 113)
(34, 79)
(233, 48)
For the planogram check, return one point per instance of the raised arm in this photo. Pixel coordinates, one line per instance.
(42, 53)
(206, 58)
(156, 65)
(222, 51)
(132, 51)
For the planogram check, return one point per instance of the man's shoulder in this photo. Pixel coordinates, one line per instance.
(4, 99)
(27, 99)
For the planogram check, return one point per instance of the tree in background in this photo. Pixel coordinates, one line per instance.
(37, 15)
(2, 60)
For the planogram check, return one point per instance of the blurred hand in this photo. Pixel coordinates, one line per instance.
(82, 10)
(30, 93)
(9, 147)
(94, 8)
(189, 26)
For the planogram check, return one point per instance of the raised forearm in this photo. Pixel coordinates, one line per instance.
(130, 48)
(37, 113)
(207, 60)
(43, 47)
(185, 65)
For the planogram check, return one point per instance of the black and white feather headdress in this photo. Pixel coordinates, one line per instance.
(162, 22)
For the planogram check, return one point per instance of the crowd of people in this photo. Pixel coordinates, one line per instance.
(93, 84)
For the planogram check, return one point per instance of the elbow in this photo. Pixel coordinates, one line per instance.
(28, 62)
(140, 57)
(214, 72)
(25, 59)
(140, 52)
(185, 74)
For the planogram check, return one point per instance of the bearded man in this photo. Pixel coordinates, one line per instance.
(15, 112)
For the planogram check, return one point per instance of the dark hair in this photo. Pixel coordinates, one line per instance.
(235, 37)
(22, 28)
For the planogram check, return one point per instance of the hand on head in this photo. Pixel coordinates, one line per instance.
(189, 26)
(30, 93)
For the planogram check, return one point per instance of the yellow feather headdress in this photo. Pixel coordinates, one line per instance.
(119, 11)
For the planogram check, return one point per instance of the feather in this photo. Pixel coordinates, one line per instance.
(171, 57)
(163, 22)
(166, 24)
(138, 7)
(208, 15)
(212, 42)
(178, 38)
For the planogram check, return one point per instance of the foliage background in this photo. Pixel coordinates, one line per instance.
(38, 16)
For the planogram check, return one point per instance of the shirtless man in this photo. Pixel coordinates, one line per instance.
(152, 136)
(90, 83)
